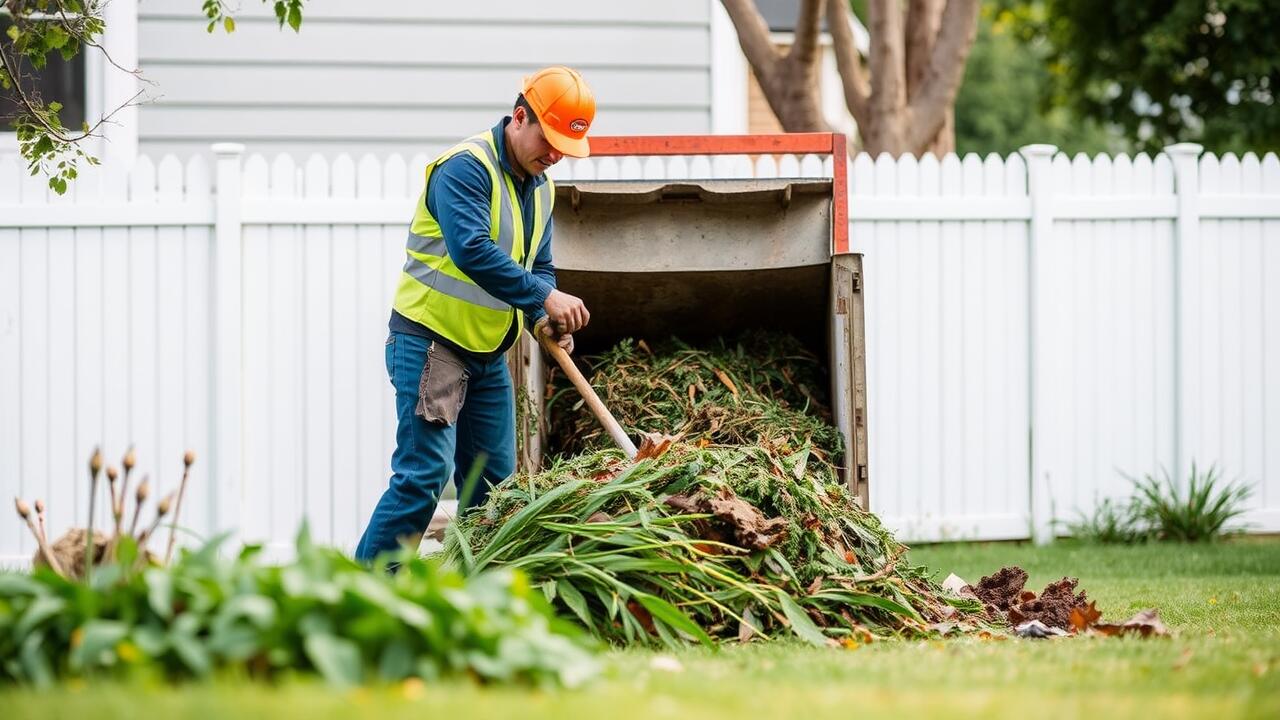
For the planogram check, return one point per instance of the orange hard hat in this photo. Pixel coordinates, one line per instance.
(564, 106)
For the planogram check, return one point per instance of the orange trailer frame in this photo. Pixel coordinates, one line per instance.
(833, 144)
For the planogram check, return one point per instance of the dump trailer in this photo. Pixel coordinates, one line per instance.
(701, 258)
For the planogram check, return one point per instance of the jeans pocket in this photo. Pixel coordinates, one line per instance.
(442, 387)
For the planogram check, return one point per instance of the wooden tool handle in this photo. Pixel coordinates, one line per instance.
(588, 393)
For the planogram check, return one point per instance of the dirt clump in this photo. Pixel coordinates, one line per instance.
(1053, 607)
(1003, 589)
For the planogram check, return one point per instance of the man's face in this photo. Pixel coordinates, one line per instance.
(529, 147)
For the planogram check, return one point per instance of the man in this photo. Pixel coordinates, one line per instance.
(478, 265)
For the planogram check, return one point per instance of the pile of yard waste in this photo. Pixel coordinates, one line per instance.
(734, 526)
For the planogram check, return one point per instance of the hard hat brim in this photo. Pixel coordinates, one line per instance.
(571, 146)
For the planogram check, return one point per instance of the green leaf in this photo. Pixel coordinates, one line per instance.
(338, 660)
(35, 663)
(397, 660)
(127, 546)
(13, 32)
(801, 624)
(37, 612)
(229, 24)
(97, 643)
(160, 592)
(212, 25)
(295, 17)
(671, 615)
(55, 37)
(576, 602)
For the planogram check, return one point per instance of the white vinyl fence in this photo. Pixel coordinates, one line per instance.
(1036, 325)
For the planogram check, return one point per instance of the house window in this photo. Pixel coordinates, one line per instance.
(59, 80)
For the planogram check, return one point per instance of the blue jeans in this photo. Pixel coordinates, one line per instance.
(428, 454)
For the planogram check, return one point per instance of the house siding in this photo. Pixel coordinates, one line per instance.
(409, 77)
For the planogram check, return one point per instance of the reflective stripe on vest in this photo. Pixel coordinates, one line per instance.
(433, 291)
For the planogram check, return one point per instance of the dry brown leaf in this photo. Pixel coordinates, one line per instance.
(644, 346)
(599, 516)
(703, 442)
(724, 378)
(1144, 624)
(1082, 618)
(693, 391)
(642, 614)
(746, 626)
(942, 628)
(1026, 596)
(654, 445)
(816, 585)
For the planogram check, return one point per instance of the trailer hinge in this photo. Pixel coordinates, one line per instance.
(857, 282)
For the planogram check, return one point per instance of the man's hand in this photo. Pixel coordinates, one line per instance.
(567, 314)
(564, 340)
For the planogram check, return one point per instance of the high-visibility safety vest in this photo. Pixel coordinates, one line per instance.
(434, 292)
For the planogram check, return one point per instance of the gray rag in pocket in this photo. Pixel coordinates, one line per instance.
(442, 386)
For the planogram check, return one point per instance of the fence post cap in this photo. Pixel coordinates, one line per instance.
(226, 149)
(1038, 150)
(1184, 149)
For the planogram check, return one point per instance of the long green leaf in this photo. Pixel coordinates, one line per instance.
(666, 612)
(800, 622)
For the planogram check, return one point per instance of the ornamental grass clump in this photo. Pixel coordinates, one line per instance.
(738, 529)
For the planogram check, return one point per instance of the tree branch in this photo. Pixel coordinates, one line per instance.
(857, 89)
(938, 89)
(888, 88)
(753, 36)
(805, 45)
(923, 17)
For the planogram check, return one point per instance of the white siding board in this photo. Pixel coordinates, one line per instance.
(359, 43)
(412, 77)
(469, 88)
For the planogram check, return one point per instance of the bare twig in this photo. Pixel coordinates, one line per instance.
(162, 509)
(188, 459)
(24, 511)
(144, 490)
(95, 469)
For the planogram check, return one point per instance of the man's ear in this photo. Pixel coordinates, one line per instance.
(518, 115)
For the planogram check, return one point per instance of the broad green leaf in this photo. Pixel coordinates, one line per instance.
(35, 663)
(801, 624)
(98, 639)
(37, 612)
(337, 659)
(576, 602)
(671, 615)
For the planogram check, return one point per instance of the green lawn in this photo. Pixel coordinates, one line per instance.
(1223, 602)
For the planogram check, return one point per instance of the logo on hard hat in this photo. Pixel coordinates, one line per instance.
(578, 125)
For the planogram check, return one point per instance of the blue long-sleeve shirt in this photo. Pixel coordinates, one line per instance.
(458, 198)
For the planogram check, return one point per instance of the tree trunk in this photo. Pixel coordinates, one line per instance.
(902, 95)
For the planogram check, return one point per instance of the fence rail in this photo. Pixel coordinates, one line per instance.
(1037, 324)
